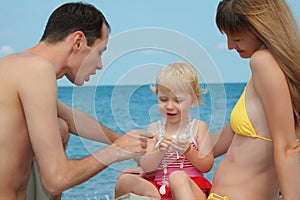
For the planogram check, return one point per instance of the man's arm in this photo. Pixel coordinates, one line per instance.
(83, 125)
(38, 94)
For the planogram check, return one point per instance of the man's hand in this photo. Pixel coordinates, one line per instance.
(131, 144)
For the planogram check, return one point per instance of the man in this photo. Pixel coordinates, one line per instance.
(32, 118)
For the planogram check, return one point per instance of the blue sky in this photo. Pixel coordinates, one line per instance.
(145, 36)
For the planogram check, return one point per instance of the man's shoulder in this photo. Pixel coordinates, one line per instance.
(25, 62)
(19, 71)
(37, 62)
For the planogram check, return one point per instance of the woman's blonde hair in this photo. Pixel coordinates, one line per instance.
(273, 23)
(179, 76)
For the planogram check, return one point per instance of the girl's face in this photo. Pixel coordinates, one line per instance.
(245, 43)
(174, 106)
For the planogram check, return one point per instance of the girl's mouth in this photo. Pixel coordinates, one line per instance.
(171, 114)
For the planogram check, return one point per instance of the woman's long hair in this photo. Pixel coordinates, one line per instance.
(274, 24)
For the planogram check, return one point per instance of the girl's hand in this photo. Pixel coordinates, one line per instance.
(163, 144)
(180, 145)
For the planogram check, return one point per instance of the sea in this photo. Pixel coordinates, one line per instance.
(123, 108)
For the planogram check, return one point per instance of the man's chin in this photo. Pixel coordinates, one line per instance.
(79, 83)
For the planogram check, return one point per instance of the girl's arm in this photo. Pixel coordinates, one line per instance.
(275, 96)
(202, 159)
(151, 160)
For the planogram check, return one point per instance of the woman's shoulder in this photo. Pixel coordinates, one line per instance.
(262, 62)
(262, 57)
(261, 53)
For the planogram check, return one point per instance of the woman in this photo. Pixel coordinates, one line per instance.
(261, 138)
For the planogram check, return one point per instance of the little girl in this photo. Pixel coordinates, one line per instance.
(182, 150)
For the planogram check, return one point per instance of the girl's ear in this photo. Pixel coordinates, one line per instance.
(194, 102)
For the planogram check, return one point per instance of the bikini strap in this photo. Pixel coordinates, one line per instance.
(160, 124)
(263, 138)
(192, 138)
(214, 196)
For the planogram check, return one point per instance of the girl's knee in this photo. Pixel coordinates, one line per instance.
(178, 175)
(121, 183)
(178, 178)
(64, 131)
(126, 179)
(125, 184)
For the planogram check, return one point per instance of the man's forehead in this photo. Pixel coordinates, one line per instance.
(105, 32)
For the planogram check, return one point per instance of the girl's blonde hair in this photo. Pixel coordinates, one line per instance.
(179, 76)
(273, 23)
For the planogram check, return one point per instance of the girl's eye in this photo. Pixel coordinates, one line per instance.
(163, 99)
(178, 100)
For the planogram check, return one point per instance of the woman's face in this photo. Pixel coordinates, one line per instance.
(245, 43)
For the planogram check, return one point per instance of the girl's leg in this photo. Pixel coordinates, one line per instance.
(135, 184)
(64, 131)
(183, 187)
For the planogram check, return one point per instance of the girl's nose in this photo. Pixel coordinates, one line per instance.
(169, 105)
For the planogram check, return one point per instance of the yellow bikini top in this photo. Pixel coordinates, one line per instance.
(240, 122)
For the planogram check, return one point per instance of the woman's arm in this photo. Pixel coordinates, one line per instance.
(221, 140)
(275, 96)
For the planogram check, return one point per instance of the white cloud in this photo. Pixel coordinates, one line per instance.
(4, 50)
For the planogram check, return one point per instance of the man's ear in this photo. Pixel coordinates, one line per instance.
(78, 39)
